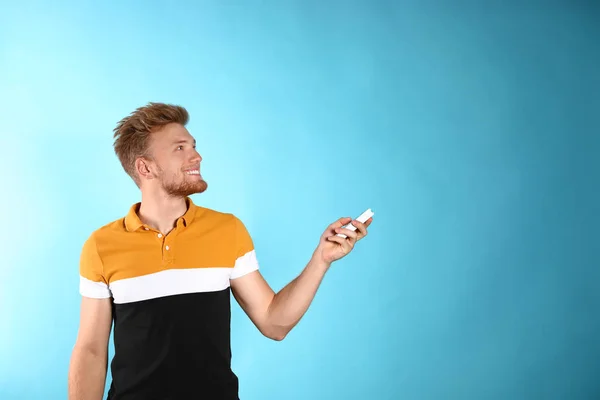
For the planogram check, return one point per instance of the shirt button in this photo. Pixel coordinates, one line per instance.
(159, 235)
(145, 228)
(167, 247)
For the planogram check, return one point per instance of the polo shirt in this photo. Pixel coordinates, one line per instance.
(170, 298)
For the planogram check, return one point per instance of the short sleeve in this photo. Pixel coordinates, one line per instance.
(92, 282)
(245, 254)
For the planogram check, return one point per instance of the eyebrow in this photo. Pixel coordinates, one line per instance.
(184, 141)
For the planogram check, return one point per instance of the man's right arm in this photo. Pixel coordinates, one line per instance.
(89, 360)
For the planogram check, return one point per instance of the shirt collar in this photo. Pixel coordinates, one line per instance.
(133, 221)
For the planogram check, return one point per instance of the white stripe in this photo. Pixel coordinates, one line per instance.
(95, 290)
(245, 264)
(170, 282)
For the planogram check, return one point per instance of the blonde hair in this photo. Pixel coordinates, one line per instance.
(132, 133)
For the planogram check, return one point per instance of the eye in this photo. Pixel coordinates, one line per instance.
(179, 147)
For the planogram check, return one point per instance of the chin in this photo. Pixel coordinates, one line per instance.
(197, 187)
(187, 189)
(202, 187)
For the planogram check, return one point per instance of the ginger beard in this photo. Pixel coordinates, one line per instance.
(181, 184)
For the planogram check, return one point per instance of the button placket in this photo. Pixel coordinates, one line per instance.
(167, 248)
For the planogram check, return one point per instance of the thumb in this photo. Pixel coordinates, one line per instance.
(340, 222)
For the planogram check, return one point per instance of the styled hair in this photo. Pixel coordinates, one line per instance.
(132, 133)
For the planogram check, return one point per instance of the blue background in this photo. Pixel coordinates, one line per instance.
(471, 130)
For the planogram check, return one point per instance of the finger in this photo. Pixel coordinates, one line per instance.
(336, 239)
(345, 243)
(348, 232)
(362, 229)
(340, 222)
(337, 224)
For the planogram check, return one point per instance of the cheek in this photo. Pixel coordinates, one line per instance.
(175, 174)
(171, 170)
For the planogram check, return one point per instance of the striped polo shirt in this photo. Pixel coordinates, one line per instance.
(170, 301)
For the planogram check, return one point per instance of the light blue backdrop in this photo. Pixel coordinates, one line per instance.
(472, 131)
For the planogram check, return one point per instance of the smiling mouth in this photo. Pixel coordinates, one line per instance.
(192, 172)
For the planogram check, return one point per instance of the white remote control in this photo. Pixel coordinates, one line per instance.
(362, 218)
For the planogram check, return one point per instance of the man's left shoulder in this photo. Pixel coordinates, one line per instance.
(218, 217)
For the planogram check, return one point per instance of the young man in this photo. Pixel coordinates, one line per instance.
(164, 273)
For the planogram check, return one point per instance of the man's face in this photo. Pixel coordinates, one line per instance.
(176, 161)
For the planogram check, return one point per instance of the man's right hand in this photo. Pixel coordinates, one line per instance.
(89, 360)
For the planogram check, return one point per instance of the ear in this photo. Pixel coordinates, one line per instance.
(144, 168)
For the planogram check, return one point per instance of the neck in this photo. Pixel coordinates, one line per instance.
(161, 211)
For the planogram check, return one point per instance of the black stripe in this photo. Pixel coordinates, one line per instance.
(175, 347)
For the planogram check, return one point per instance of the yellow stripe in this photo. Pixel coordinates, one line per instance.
(205, 239)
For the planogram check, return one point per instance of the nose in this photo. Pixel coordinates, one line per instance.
(196, 157)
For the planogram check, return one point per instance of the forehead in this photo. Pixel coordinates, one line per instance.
(170, 134)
